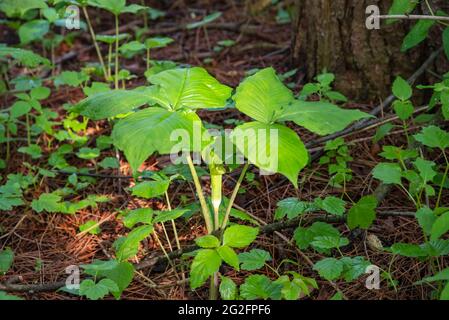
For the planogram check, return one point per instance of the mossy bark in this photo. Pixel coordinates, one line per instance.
(331, 35)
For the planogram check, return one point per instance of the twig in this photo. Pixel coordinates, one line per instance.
(411, 17)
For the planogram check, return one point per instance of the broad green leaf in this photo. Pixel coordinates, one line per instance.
(95, 291)
(114, 6)
(150, 189)
(33, 30)
(122, 274)
(254, 259)
(145, 132)
(417, 35)
(33, 150)
(262, 96)
(382, 131)
(4, 296)
(109, 163)
(157, 42)
(260, 287)
(19, 108)
(363, 213)
(327, 242)
(71, 78)
(112, 103)
(425, 169)
(305, 236)
(332, 205)
(129, 247)
(440, 226)
(388, 173)
(395, 153)
(402, 89)
(192, 88)
(229, 256)
(322, 118)
(6, 260)
(440, 276)
(273, 148)
(401, 7)
(426, 218)
(433, 137)
(48, 202)
(88, 153)
(168, 215)
(436, 248)
(141, 215)
(445, 293)
(408, 250)
(403, 109)
(24, 57)
(290, 207)
(228, 289)
(110, 39)
(207, 241)
(133, 8)
(238, 236)
(40, 93)
(14, 7)
(204, 265)
(354, 267)
(205, 21)
(329, 268)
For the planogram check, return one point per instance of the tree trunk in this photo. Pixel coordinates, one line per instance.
(331, 35)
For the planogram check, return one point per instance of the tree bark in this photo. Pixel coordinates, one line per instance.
(331, 35)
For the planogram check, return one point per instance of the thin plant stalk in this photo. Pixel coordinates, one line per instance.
(97, 47)
(145, 15)
(166, 236)
(27, 117)
(443, 180)
(148, 58)
(213, 290)
(165, 253)
(109, 60)
(116, 51)
(199, 191)
(216, 197)
(233, 196)
(175, 231)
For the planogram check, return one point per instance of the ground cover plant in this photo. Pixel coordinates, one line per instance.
(164, 150)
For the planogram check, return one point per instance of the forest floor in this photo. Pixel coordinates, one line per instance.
(45, 244)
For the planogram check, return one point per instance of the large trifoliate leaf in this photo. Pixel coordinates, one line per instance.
(321, 117)
(111, 103)
(192, 88)
(272, 147)
(145, 132)
(262, 96)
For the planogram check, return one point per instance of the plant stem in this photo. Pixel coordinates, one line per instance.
(116, 51)
(175, 231)
(213, 292)
(199, 191)
(145, 15)
(443, 180)
(148, 58)
(216, 190)
(8, 144)
(97, 48)
(165, 253)
(166, 236)
(27, 117)
(109, 60)
(233, 196)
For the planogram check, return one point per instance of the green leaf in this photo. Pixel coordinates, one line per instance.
(141, 215)
(290, 207)
(446, 41)
(260, 287)
(4, 296)
(6, 260)
(207, 241)
(440, 276)
(157, 42)
(426, 218)
(305, 236)
(228, 289)
(88, 153)
(354, 267)
(168, 215)
(33, 150)
(112, 103)
(274, 148)
(363, 213)
(157, 126)
(150, 189)
(89, 225)
(408, 250)
(206, 20)
(326, 242)
(382, 131)
(48, 202)
(402, 89)
(445, 292)
(322, 118)
(333, 205)
(254, 259)
(19, 109)
(40, 93)
(262, 96)
(433, 137)
(401, 7)
(388, 173)
(329, 268)
(239, 236)
(121, 274)
(425, 169)
(129, 247)
(440, 226)
(417, 35)
(33, 30)
(24, 57)
(192, 88)
(71, 78)
(13, 7)
(109, 163)
(204, 265)
(229, 256)
(114, 6)
(403, 109)
(95, 291)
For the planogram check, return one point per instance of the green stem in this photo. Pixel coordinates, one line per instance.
(97, 48)
(233, 196)
(27, 117)
(213, 291)
(8, 144)
(116, 52)
(145, 16)
(216, 191)
(175, 231)
(199, 191)
(443, 181)
(148, 58)
(109, 60)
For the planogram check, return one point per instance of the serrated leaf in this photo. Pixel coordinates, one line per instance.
(408, 250)
(207, 241)
(254, 259)
(129, 247)
(440, 226)
(150, 189)
(228, 289)
(141, 215)
(33, 30)
(388, 173)
(89, 225)
(333, 205)
(329, 268)
(260, 287)
(6, 260)
(363, 213)
(204, 265)
(290, 207)
(433, 137)
(426, 218)
(229, 256)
